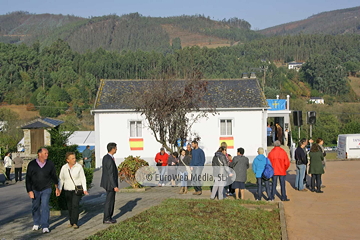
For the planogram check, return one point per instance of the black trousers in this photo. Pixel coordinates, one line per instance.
(317, 178)
(72, 201)
(18, 174)
(7, 172)
(109, 205)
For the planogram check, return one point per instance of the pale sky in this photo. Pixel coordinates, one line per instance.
(259, 13)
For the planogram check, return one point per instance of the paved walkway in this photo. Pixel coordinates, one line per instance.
(334, 214)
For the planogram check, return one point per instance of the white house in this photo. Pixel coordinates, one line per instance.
(295, 65)
(240, 120)
(316, 100)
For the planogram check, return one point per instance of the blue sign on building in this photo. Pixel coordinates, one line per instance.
(276, 104)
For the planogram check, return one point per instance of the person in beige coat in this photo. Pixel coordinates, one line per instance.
(18, 162)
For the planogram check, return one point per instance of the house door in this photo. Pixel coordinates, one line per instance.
(37, 139)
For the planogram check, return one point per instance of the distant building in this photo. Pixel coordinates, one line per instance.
(316, 100)
(295, 65)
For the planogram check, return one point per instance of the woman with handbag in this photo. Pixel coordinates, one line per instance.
(72, 180)
(184, 170)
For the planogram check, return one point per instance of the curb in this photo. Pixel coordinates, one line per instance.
(284, 235)
(132, 190)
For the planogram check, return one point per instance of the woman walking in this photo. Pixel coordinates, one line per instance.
(7, 165)
(316, 168)
(72, 174)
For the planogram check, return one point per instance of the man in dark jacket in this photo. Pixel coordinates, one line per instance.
(301, 162)
(197, 164)
(40, 175)
(109, 181)
(240, 164)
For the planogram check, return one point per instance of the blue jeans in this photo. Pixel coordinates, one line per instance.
(196, 182)
(282, 185)
(259, 190)
(183, 178)
(162, 173)
(40, 207)
(300, 173)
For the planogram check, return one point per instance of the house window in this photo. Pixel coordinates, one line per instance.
(225, 127)
(135, 129)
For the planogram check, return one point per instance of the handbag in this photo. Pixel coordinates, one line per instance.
(188, 169)
(79, 190)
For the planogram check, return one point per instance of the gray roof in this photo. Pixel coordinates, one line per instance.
(234, 93)
(42, 123)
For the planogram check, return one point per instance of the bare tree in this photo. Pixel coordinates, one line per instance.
(171, 107)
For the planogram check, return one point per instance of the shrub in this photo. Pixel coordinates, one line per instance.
(128, 168)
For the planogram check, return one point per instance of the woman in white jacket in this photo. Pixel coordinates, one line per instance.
(7, 165)
(72, 174)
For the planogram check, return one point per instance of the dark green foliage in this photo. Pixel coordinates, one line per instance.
(128, 168)
(325, 74)
(176, 43)
(351, 127)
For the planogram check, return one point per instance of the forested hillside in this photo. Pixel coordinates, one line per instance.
(56, 66)
(343, 21)
(118, 33)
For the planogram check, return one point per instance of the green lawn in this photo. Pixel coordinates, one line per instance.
(198, 219)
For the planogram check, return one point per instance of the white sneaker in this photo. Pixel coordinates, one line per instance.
(35, 227)
(45, 230)
(163, 184)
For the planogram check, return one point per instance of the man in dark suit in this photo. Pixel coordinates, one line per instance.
(109, 181)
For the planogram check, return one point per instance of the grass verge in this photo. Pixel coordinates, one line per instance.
(198, 219)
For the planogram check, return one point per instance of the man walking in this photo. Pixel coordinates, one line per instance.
(87, 157)
(197, 165)
(18, 162)
(40, 175)
(280, 162)
(109, 181)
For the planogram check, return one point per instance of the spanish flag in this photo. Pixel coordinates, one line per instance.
(136, 144)
(229, 141)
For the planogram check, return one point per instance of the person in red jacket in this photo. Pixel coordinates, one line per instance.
(280, 162)
(161, 160)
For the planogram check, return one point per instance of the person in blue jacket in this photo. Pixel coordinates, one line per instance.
(197, 165)
(258, 167)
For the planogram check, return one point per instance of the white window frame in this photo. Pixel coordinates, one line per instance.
(226, 130)
(138, 128)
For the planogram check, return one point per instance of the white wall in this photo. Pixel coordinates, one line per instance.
(249, 132)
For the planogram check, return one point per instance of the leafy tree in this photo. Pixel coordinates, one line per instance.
(10, 134)
(167, 105)
(351, 127)
(176, 43)
(327, 127)
(326, 74)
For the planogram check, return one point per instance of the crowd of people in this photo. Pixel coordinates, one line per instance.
(41, 175)
(277, 158)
